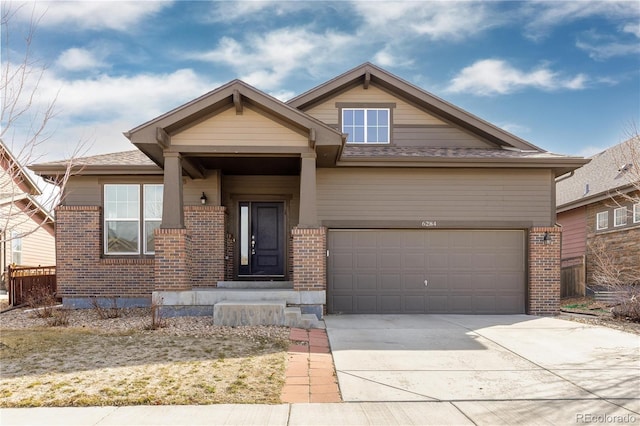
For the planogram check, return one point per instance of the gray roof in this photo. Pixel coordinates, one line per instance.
(417, 152)
(606, 173)
(126, 158)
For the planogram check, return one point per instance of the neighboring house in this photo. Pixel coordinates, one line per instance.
(365, 194)
(26, 227)
(598, 208)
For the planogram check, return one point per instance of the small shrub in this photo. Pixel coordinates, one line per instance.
(59, 318)
(157, 318)
(628, 305)
(107, 312)
(42, 302)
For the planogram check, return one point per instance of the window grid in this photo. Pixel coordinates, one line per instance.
(602, 220)
(620, 216)
(636, 213)
(366, 125)
(132, 212)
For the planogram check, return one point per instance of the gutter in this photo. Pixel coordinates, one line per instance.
(565, 176)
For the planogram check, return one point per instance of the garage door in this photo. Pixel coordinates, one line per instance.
(426, 271)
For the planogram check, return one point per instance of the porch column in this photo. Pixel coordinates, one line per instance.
(308, 212)
(172, 210)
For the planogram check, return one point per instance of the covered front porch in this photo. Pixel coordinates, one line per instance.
(252, 161)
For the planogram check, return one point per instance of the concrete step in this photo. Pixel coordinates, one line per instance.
(241, 313)
(309, 321)
(256, 284)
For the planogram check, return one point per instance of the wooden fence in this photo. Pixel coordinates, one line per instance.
(25, 282)
(573, 277)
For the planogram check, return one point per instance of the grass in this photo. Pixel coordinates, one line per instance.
(73, 367)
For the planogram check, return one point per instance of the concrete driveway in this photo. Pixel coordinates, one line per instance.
(488, 364)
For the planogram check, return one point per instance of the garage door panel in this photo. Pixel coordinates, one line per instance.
(367, 304)
(390, 304)
(468, 271)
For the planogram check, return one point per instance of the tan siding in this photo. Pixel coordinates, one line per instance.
(262, 188)
(38, 246)
(248, 128)
(574, 232)
(82, 191)
(435, 194)
(403, 113)
(193, 189)
(437, 137)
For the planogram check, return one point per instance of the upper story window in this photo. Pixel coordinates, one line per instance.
(366, 125)
(602, 220)
(127, 216)
(620, 216)
(636, 213)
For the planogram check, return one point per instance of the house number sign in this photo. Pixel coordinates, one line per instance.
(429, 223)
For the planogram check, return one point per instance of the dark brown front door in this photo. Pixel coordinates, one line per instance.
(262, 239)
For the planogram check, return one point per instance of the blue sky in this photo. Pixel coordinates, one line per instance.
(562, 75)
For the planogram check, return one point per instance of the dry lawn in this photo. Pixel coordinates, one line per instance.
(84, 366)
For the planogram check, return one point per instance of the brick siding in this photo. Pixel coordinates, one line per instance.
(622, 243)
(309, 252)
(229, 257)
(81, 270)
(544, 271)
(172, 266)
(207, 228)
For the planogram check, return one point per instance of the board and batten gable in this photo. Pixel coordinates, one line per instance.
(249, 128)
(458, 196)
(411, 125)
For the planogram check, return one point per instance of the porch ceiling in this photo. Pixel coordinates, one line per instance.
(288, 166)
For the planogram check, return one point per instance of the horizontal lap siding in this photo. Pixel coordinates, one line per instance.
(435, 194)
(248, 128)
(403, 113)
(435, 137)
(574, 232)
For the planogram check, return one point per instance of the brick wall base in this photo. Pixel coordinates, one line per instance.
(206, 226)
(82, 272)
(544, 271)
(172, 267)
(309, 258)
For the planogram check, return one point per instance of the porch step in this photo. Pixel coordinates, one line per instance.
(239, 313)
(295, 318)
(256, 284)
(236, 313)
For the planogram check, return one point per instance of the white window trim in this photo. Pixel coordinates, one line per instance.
(128, 219)
(145, 220)
(365, 109)
(16, 236)
(606, 214)
(636, 213)
(623, 217)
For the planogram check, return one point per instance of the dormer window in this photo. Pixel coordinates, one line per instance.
(366, 125)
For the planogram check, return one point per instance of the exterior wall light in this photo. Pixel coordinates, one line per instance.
(547, 238)
(203, 199)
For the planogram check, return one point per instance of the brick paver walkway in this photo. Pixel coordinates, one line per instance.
(311, 375)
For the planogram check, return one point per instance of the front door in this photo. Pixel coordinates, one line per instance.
(262, 239)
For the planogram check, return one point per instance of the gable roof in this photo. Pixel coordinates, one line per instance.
(146, 137)
(25, 201)
(18, 174)
(608, 173)
(368, 72)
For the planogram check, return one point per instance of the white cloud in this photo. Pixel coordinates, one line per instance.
(497, 77)
(267, 60)
(543, 15)
(94, 15)
(604, 51)
(77, 59)
(515, 128)
(632, 28)
(436, 20)
(243, 10)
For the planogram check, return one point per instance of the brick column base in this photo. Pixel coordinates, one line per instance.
(309, 258)
(206, 225)
(172, 268)
(544, 271)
